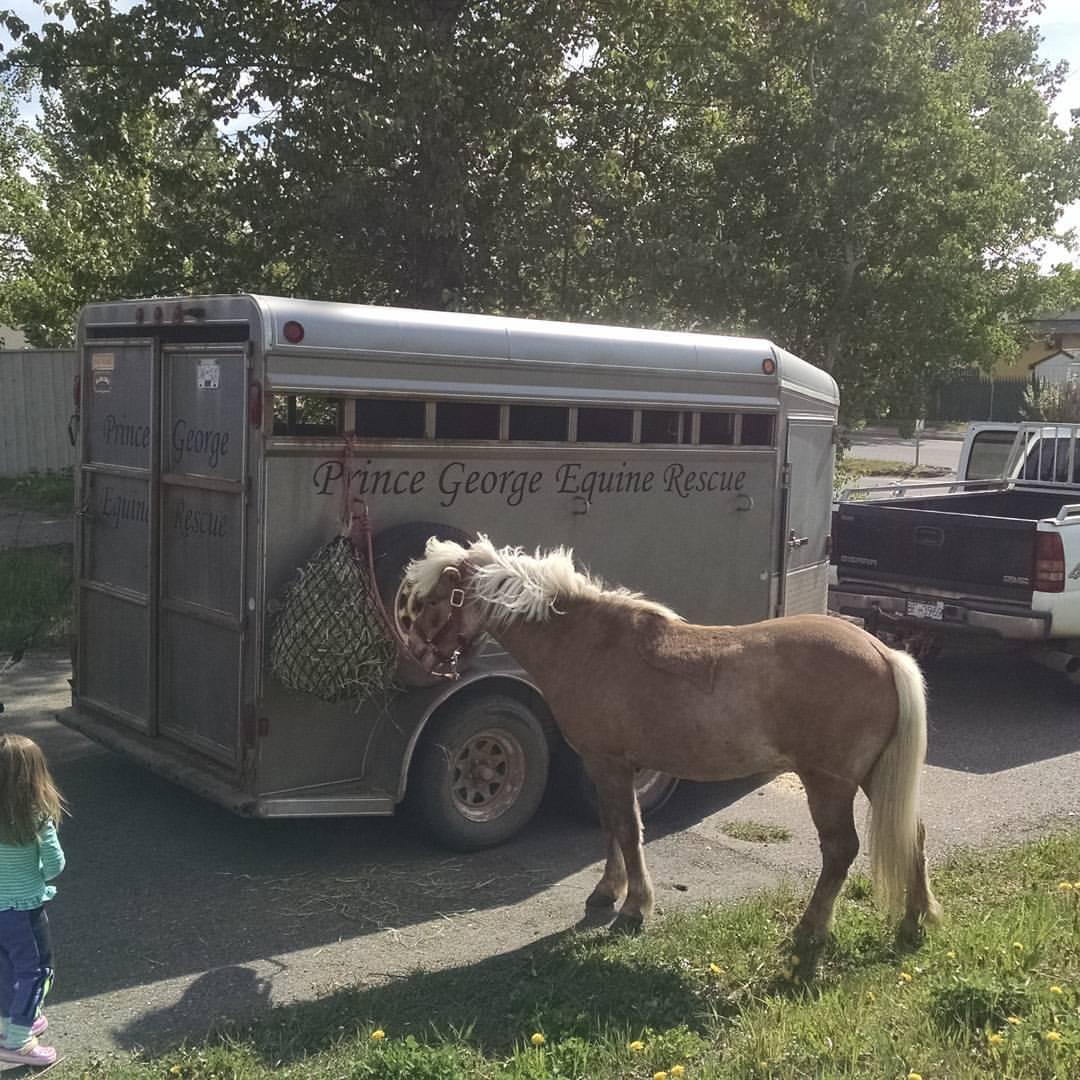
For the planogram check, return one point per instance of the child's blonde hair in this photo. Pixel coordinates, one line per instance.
(28, 795)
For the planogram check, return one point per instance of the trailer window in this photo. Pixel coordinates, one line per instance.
(304, 414)
(757, 429)
(717, 429)
(539, 423)
(466, 420)
(605, 425)
(390, 418)
(665, 426)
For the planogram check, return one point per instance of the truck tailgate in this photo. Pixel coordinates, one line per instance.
(961, 553)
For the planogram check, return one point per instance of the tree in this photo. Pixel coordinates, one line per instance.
(859, 180)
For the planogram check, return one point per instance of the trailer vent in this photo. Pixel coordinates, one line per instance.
(329, 638)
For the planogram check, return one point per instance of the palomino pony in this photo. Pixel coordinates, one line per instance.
(631, 685)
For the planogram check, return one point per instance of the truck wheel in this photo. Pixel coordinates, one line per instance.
(393, 549)
(480, 771)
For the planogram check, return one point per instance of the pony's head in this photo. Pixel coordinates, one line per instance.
(442, 623)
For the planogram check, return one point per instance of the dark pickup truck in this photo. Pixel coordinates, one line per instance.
(998, 557)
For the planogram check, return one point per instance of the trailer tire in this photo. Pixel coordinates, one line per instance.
(393, 549)
(654, 788)
(480, 771)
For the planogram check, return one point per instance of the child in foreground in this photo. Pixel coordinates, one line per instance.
(30, 857)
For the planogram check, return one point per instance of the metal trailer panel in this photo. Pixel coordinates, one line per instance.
(206, 713)
(333, 330)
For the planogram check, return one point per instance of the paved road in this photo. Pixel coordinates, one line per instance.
(174, 914)
(944, 453)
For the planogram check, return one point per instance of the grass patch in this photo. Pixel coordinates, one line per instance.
(715, 993)
(849, 470)
(50, 492)
(755, 832)
(35, 596)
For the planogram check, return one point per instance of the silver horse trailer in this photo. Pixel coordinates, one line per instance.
(221, 437)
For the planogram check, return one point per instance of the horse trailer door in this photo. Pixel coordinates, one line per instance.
(115, 519)
(201, 632)
(808, 474)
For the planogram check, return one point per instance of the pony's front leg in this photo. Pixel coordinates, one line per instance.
(614, 780)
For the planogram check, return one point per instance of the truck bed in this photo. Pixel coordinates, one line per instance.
(979, 542)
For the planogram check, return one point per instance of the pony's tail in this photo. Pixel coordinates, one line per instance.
(897, 859)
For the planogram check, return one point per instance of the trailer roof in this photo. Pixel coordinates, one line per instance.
(363, 331)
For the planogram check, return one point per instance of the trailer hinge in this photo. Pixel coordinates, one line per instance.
(785, 475)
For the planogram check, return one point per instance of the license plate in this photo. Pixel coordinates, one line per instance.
(926, 609)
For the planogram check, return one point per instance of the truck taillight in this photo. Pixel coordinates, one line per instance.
(1049, 562)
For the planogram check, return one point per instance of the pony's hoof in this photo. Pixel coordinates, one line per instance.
(599, 901)
(627, 924)
(910, 932)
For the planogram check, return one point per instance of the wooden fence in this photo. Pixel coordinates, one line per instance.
(35, 405)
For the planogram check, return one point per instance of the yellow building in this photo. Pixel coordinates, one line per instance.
(1055, 340)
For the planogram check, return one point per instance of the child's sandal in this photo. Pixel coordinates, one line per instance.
(30, 1053)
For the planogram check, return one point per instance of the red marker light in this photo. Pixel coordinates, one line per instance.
(293, 331)
(768, 365)
(255, 404)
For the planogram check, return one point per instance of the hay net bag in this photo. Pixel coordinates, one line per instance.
(330, 638)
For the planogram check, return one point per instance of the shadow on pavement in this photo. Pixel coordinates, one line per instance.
(997, 711)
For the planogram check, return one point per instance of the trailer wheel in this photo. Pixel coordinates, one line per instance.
(480, 771)
(653, 788)
(393, 549)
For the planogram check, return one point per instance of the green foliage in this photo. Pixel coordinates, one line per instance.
(1052, 402)
(756, 832)
(35, 596)
(863, 184)
(717, 993)
(50, 491)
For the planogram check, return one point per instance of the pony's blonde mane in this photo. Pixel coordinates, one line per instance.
(513, 585)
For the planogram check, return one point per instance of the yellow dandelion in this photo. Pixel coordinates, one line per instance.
(1052, 1036)
(637, 1046)
(537, 1039)
(716, 969)
(659, 1075)
(995, 1038)
(1056, 990)
(905, 976)
(951, 954)
(378, 1035)
(871, 996)
(1016, 1021)
(677, 1070)
(1065, 886)
(914, 1076)
(1018, 946)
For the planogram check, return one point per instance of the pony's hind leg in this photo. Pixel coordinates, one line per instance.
(625, 867)
(611, 888)
(920, 903)
(831, 802)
